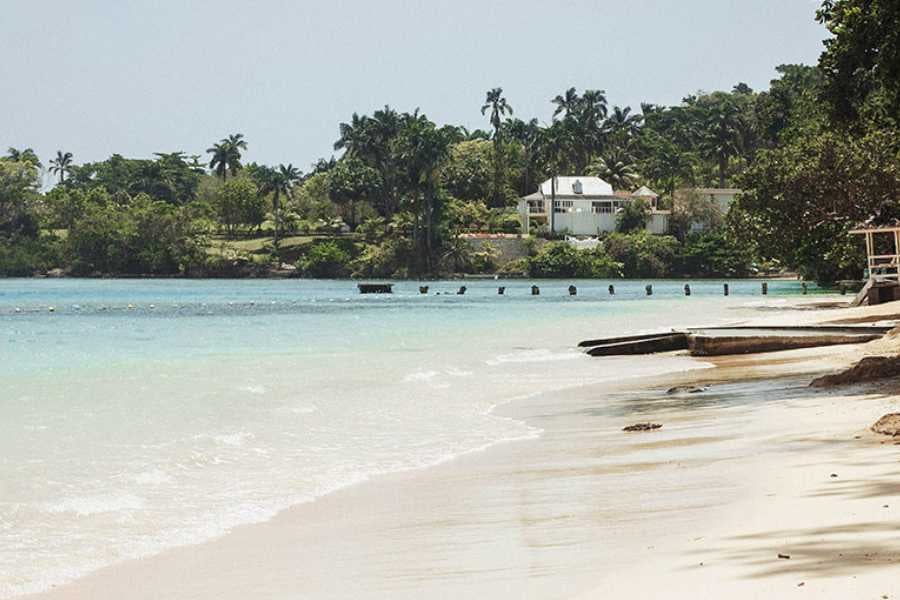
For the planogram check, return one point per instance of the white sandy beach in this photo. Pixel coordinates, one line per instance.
(752, 468)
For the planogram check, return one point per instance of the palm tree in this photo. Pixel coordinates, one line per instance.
(623, 121)
(61, 165)
(528, 134)
(617, 169)
(352, 136)
(497, 104)
(24, 156)
(566, 103)
(723, 138)
(278, 182)
(226, 155)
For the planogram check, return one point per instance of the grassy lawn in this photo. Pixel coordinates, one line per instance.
(220, 244)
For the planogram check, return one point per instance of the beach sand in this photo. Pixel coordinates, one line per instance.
(758, 465)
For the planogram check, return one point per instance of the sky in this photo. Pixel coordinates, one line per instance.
(135, 77)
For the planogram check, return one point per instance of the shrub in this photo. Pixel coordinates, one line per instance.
(325, 260)
(642, 254)
(634, 216)
(561, 259)
(713, 254)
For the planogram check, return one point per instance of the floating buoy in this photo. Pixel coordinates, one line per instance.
(131, 307)
(572, 290)
(18, 310)
(461, 290)
(51, 309)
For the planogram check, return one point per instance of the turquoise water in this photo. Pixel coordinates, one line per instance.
(143, 414)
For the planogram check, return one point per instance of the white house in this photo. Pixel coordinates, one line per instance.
(585, 206)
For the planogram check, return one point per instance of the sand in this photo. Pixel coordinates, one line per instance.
(758, 465)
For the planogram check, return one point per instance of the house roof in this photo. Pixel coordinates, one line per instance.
(565, 186)
(645, 192)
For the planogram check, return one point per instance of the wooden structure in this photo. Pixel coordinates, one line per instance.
(375, 288)
(716, 341)
(882, 264)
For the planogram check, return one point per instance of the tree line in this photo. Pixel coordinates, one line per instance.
(815, 153)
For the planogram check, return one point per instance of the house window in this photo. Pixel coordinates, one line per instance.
(563, 206)
(601, 208)
(536, 206)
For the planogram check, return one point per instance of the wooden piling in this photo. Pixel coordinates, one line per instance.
(535, 290)
(725, 288)
(501, 290)
(612, 290)
(649, 289)
(765, 288)
(803, 288)
(687, 289)
(572, 290)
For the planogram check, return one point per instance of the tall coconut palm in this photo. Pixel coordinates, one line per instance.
(24, 156)
(61, 165)
(617, 169)
(353, 136)
(498, 106)
(278, 181)
(723, 137)
(566, 103)
(623, 121)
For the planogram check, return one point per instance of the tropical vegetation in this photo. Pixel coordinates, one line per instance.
(815, 153)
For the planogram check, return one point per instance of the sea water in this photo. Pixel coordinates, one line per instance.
(138, 415)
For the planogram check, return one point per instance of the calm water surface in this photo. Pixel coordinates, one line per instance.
(140, 415)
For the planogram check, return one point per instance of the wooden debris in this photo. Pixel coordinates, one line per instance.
(642, 427)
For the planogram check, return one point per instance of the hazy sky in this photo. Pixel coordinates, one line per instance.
(135, 77)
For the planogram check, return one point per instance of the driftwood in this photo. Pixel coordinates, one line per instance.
(642, 427)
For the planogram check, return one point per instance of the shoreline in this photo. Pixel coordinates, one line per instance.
(261, 559)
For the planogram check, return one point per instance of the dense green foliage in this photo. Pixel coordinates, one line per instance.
(815, 153)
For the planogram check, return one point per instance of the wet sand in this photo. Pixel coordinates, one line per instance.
(738, 474)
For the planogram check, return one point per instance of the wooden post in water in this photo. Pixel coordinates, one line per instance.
(461, 290)
(612, 290)
(765, 288)
(649, 289)
(725, 288)
(423, 289)
(535, 290)
(687, 289)
(501, 290)
(803, 287)
(572, 290)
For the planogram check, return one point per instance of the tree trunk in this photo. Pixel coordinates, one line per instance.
(276, 205)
